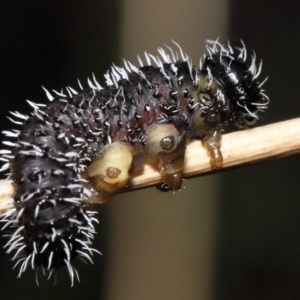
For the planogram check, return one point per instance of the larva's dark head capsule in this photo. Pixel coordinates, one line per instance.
(227, 70)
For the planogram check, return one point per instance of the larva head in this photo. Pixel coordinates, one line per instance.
(238, 81)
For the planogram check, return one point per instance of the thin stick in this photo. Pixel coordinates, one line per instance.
(6, 192)
(239, 148)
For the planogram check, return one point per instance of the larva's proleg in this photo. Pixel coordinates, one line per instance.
(166, 145)
(83, 146)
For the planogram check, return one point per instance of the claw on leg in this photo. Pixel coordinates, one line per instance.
(213, 147)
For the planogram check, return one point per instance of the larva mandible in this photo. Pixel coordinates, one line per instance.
(83, 146)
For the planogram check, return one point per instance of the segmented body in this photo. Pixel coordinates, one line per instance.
(83, 146)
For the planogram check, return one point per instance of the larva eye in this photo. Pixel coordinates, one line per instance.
(167, 143)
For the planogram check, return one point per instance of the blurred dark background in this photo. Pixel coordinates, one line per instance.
(256, 240)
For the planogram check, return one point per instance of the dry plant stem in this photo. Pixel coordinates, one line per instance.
(238, 148)
(6, 191)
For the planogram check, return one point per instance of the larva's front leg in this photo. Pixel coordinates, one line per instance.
(206, 126)
(212, 143)
(166, 145)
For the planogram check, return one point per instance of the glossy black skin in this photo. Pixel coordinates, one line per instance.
(238, 84)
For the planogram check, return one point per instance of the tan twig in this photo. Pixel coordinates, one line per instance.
(6, 192)
(239, 148)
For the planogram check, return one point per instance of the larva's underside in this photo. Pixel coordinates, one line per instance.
(83, 146)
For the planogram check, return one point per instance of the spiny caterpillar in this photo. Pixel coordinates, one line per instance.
(83, 146)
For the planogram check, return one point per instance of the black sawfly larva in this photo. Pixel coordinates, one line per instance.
(83, 146)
